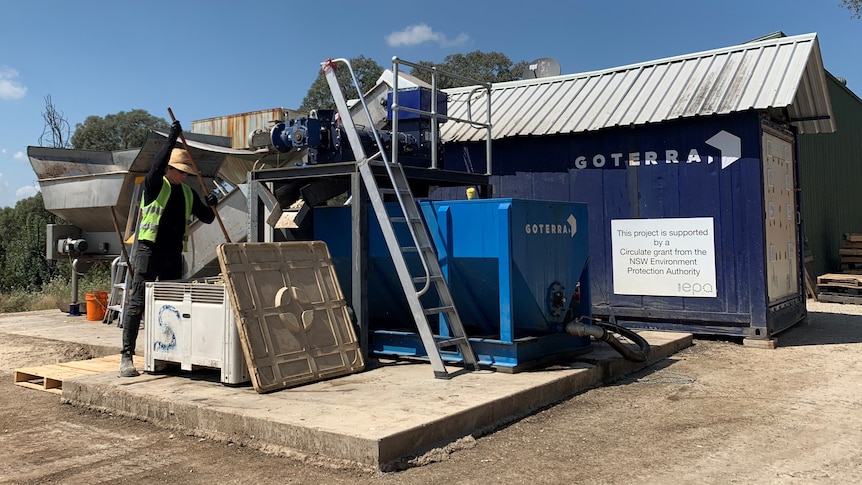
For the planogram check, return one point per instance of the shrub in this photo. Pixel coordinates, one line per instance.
(57, 293)
(15, 301)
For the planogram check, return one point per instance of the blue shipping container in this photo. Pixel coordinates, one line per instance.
(693, 224)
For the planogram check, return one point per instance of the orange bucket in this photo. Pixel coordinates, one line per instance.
(97, 305)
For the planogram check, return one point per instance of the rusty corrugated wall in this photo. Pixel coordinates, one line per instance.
(830, 171)
(237, 127)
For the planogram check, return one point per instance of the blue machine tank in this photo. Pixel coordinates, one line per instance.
(513, 267)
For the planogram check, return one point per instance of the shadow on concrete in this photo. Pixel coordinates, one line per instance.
(821, 328)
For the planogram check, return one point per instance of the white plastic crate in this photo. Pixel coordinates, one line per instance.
(192, 324)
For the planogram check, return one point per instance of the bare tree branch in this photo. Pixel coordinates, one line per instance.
(56, 132)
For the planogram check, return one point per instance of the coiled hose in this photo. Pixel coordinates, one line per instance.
(604, 331)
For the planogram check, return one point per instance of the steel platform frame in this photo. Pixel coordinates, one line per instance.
(421, 181)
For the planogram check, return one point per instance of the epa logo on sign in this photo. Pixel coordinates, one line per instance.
(695, 288)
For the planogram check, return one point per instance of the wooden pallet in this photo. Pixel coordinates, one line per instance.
(840, 280)
(846, 286)
(841, 298)
(50, 377)
(850, 252)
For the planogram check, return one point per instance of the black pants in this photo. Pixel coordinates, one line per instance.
(147, 265)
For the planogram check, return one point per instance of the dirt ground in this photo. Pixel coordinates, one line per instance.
(714, 413)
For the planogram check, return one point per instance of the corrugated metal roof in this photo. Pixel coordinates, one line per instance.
(777, 73)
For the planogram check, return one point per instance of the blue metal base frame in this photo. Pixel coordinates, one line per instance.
(782, 320)
(502, 356)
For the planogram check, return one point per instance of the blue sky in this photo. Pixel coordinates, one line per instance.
(217, 58)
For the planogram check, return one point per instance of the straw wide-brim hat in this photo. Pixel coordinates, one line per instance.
(181, 160)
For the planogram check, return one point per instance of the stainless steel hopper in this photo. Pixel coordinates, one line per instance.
(91, 190)
(83, 186)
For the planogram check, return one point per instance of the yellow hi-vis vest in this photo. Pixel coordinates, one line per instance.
(151, 214)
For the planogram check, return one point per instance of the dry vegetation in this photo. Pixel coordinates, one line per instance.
(56, 294)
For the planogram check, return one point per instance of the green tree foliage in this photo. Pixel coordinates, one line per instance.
(492, 67)
(855, 6)
(23, 265)
(320, 97)
(120, 131)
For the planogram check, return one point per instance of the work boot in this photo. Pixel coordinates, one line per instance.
(127, 367)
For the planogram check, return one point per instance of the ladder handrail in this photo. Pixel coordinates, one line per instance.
(396, 108)
(416, 223)
(359, 152)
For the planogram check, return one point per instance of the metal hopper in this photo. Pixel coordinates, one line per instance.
(84, 186)
(81, 186)
(94, 190)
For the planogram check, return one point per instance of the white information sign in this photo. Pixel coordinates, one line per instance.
(664, 257)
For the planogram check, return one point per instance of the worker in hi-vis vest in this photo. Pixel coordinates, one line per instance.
(167, 205)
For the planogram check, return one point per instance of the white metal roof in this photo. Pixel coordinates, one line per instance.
(778, 73)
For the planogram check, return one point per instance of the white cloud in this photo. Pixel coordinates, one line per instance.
(19, 155)
(420, 34)
(26, 191)
(10, 88)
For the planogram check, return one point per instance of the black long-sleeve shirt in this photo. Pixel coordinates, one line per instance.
(172, 224)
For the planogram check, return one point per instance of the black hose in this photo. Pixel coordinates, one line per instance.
(605, 331)
(627, 352)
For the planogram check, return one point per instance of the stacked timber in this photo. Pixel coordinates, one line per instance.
(840, 288)
(844, 287)
(851, 254)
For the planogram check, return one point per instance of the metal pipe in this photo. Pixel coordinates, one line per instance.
(467, 80)
(577, 329)
(435, 135)
(74, 303)
(395, 107)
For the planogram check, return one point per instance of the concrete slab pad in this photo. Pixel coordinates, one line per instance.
(100, 338)
(391, 411)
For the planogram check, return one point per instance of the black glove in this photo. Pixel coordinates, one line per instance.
(176, 129)
(212, 200)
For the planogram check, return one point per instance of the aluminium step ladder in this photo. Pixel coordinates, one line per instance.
(397, 185)
(121, 269)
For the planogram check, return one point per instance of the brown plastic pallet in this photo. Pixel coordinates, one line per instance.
(291, 316)
(50, 377)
